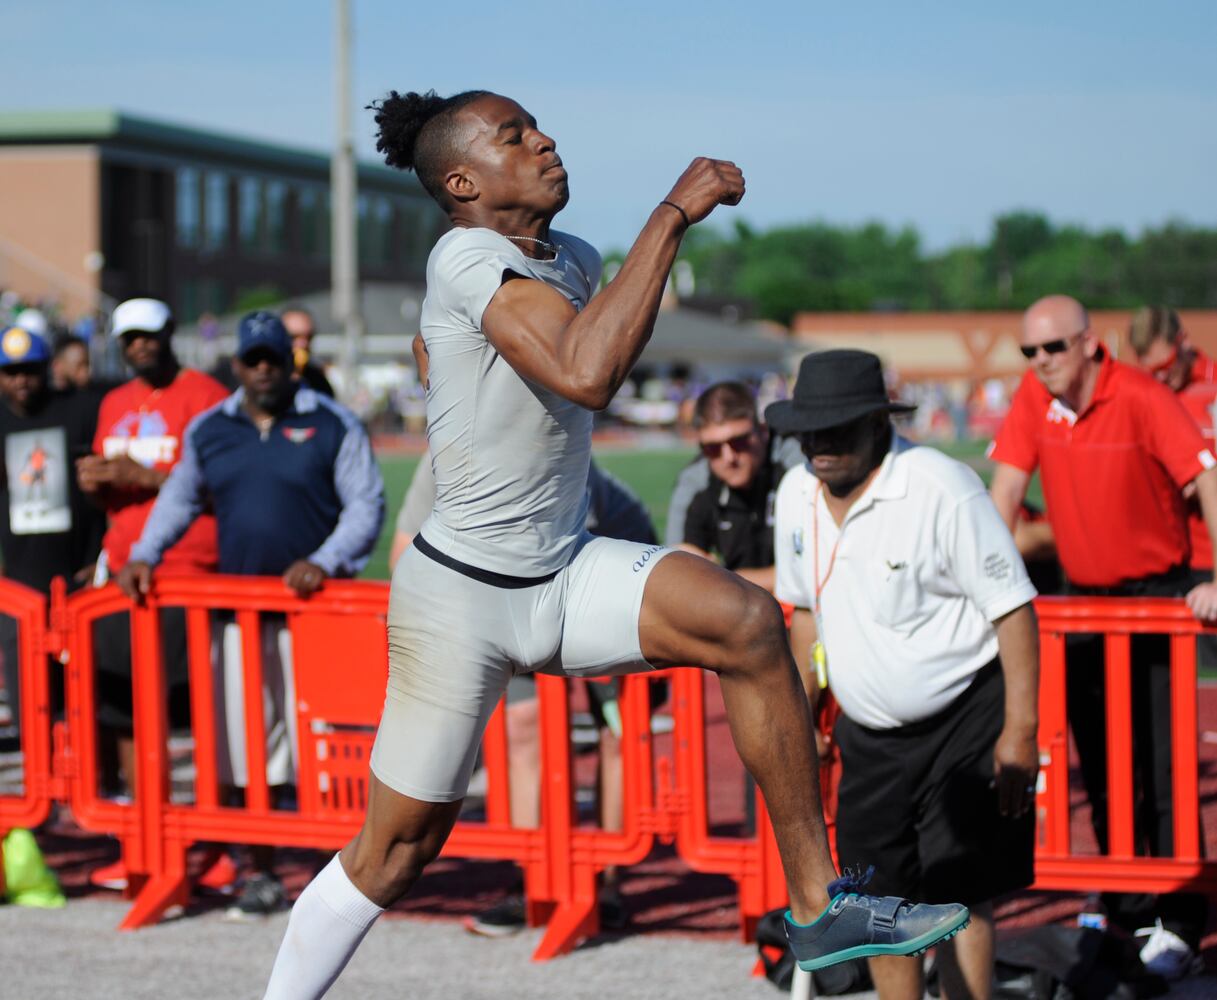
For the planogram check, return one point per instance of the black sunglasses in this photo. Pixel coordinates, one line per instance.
(739, 443)
(1052, 347)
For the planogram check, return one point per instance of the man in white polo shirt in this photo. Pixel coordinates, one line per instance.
(913, 605)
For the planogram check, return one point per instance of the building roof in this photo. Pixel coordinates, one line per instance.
(107, 126)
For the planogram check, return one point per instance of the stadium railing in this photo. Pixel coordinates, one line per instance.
(339, 649)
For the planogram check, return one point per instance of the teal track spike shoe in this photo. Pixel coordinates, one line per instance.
(859, 926)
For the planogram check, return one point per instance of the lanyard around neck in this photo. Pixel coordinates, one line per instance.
(815, 549)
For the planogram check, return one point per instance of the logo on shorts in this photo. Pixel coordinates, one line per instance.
(797, 541)
(646, 556)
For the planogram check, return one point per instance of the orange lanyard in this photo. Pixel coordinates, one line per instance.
(815, 548)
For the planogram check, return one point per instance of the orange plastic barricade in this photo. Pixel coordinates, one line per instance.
(35, 642)
(1058, 864)
(339, 654)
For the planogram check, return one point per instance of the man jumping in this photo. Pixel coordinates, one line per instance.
(502, 577)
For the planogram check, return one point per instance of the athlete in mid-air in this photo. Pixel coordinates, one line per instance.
(502, 578)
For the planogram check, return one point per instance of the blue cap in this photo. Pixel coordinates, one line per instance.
(263, 329)
(19, 346)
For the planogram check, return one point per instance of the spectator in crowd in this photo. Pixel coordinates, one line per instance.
(70, 364)
(1163, 349)
(1115, 449)
(912, 604)
(731, 518)
(695, 478)
(297, 494)
(301, 328)
(50, 529)
(139, 434)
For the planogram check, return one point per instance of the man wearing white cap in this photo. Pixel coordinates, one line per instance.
(139, 437)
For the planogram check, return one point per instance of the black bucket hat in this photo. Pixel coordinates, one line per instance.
(833, 388)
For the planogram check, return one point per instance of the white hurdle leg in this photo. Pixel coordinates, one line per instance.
(801, 986)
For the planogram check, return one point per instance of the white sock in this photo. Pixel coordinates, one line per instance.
(327, 924)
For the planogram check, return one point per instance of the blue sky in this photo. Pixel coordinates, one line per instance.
(1100, 113)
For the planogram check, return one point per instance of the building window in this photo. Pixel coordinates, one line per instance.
(250, 214)
(188, 222)
(215, 211)
(375, 230)
(276, 217)
(314, 213)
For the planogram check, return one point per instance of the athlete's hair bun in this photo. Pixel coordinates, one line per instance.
(399, 119)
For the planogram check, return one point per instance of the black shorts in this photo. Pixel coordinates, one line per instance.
(112, 661)
(916, 802)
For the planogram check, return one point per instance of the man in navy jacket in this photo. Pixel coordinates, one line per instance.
(296, 493)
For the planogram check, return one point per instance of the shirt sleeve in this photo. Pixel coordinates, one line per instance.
(980, 553)
(1017, 441)
(693, 478)
(699, 522)
(617, 510)
(178, 503)
(790, 520)
(1174, 437)
(419, 499)
(361, 490)
(470, 270)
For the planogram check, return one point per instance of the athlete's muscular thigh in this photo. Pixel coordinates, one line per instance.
(695, 613)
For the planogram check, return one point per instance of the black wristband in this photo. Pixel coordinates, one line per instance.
(683, 214)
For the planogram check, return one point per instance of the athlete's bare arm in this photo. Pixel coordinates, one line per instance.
(585, 356)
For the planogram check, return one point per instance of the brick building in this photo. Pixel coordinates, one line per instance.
(101, 205)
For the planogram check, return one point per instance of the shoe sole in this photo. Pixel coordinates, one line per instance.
(916, 946)
(491, 931)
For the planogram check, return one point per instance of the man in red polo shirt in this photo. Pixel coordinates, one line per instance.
(1164, 350)
(140, 427)
(1115, 449)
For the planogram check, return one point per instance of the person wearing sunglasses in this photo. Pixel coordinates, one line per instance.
(730, 519)
(1115, 450)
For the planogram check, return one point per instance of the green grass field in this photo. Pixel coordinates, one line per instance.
(650, 473)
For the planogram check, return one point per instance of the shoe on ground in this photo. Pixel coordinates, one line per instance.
(859, 926)
(109, 876)
(261, 896)
(501, 920)
(219, 874)
(1166, 954)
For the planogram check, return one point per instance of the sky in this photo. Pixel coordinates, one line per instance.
(941, 116)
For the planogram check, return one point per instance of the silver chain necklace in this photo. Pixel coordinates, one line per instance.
(549, 248)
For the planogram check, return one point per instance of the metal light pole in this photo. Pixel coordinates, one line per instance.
(344, 246)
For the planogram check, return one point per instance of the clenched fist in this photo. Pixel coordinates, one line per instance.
(706, 184)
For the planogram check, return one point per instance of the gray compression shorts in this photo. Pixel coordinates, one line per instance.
(455, 642)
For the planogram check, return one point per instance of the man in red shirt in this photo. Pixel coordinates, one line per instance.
(1115, 449)
(140, 427)
(1164, 350)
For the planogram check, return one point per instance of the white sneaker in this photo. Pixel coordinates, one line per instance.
(1166, 954)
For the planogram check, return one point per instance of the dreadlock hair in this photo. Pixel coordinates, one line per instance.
(418, 132)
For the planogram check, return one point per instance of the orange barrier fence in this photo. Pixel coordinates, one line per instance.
(338, 653)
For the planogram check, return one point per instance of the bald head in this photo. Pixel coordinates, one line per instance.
(1053, 318)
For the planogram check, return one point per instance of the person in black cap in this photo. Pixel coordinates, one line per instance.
(48, 527)
(913, 606)
(298, 495)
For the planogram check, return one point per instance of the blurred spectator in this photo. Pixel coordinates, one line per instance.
(296, 494)
(50, 529)
(302, 330)
(1114, 449)
(730, 518)
(70, 367)
(1164, 350)
(139, 433)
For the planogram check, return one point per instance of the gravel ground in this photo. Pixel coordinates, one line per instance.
(76, 953)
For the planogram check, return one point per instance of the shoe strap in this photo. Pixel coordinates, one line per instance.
(885, 909)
